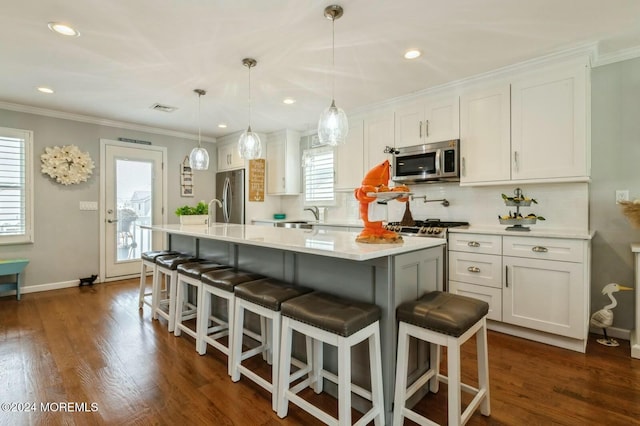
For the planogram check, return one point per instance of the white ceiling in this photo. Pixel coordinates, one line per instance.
(132, 54)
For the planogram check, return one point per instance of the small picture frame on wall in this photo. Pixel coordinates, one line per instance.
(186, 179)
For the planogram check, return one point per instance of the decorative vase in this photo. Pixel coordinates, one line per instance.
(193, 219)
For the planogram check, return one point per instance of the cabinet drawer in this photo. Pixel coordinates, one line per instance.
(476, 243)
(491, 295)
(474, 268)
(544, 248)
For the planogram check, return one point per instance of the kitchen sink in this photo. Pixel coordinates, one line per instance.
(300, 224)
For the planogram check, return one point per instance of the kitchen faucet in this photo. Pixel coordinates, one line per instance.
(315, 211)
(210, 210)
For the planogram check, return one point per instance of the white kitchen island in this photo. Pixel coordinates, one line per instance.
(329, 261)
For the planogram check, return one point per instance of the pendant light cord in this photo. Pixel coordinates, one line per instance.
(333, 59)
(249, 95)
(199, 140)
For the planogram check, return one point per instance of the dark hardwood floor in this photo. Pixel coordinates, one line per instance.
(92, 345)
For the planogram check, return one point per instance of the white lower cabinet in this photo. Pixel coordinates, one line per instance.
(544, 295)
(545, 286)
(539, 284)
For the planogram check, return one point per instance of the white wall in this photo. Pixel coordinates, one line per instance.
(66, 243)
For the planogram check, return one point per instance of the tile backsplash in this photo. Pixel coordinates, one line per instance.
(564, 205)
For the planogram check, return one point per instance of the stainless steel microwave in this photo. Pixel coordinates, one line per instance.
(438, 161)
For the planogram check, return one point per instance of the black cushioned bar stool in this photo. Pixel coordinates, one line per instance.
(148, 261)
(189, 276)
(264, 298)
(211, 326)
(167, 272)
(442, 319)
(342, 323)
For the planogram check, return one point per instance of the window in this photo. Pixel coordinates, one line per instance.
(16, 186)
(318, 176)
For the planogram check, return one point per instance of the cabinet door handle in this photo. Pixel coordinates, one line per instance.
(506, 275)
(539, 249)
(473, 244)
(473, 269)
(420, 129)
(515, 161)
(426, 128)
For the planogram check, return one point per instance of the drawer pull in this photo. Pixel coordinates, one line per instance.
(473, 269)
(539, 249)
(473, 244)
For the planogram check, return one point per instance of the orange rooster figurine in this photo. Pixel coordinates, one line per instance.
(376, 180)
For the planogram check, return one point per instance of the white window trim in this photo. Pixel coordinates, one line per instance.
(28, 236)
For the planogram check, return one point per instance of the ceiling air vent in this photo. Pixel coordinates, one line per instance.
(163, 108)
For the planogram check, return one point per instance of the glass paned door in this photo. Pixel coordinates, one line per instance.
(133, 197)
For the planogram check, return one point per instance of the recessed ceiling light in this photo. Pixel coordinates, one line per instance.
(289, 101)
(45, 90)
(222, 126)
(63, 29)
(412, 54)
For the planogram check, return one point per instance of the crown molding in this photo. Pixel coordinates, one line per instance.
(617, 56)
(100, 121)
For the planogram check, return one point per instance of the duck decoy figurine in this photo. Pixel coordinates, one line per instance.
(604, 317)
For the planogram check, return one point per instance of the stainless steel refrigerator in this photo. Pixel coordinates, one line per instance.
(230, 191)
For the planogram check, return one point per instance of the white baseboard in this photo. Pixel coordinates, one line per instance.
(42, 287)
(618, 333)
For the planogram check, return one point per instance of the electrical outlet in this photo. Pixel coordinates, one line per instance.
(622, 195)
(89, 205)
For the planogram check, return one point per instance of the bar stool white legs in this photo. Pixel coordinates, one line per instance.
(148, 263)
(351, 323)
(262, 297)
(189, 275)
(212, 327)
(166, 271)
(444, 312)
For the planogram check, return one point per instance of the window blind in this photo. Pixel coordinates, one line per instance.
(12, 186)
(319, 176)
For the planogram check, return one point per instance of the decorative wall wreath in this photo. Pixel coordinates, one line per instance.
(67, 164)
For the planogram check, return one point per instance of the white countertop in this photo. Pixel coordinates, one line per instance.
(319, 242)
(500, 230)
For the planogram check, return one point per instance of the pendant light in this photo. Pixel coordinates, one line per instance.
(249, 143)
(333, 125)
(199, 157)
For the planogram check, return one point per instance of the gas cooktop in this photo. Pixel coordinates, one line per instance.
(424, 228)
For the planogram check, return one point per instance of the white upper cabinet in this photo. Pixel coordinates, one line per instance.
(532, 128)
(431, 120)
(229, 157)
(349, 157)
(485, 135)
(283, 163)
(378, 134)
(549, 124)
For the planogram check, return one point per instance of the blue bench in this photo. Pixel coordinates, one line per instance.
(12, 267)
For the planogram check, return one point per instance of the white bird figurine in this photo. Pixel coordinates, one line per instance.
(604, 317)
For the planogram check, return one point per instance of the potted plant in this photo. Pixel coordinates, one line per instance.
(193, 215)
